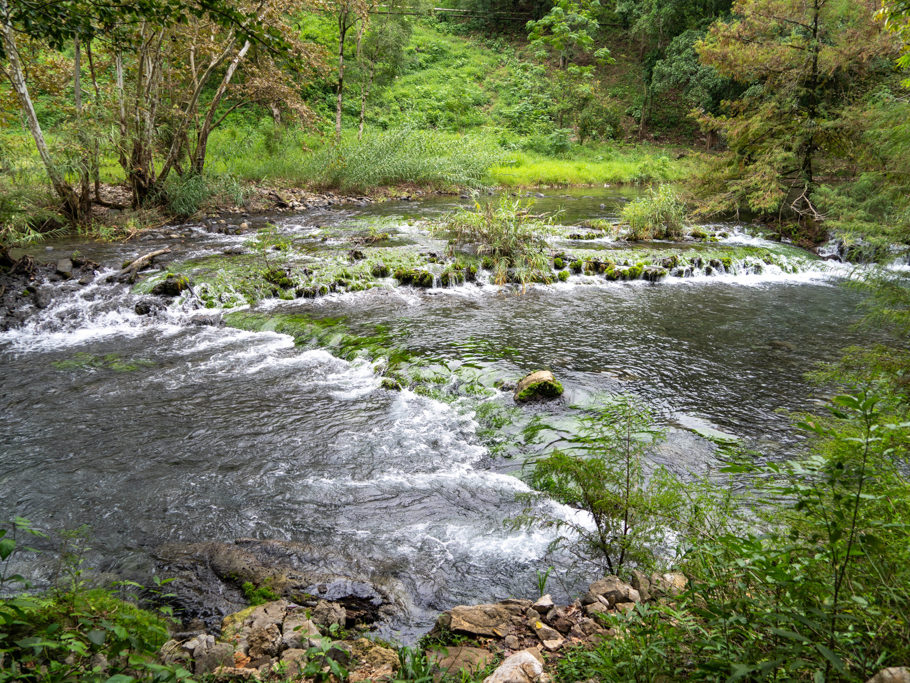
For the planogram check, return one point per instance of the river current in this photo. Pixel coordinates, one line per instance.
(154, 430)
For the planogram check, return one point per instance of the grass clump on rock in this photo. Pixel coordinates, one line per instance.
(511, 240)
(658, 215)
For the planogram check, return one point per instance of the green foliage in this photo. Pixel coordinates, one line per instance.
(601, 473)
(258, 595)
(72, 633)
(819, 592)
(507, 232)
(657, 215)
(186, 194)
(400, 156)
(801, 65)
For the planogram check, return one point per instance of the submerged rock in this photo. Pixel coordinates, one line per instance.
(209, 579)
(540, 385)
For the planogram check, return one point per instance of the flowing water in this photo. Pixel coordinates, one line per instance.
(154, 430)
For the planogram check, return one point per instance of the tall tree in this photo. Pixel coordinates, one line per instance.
(802, 63)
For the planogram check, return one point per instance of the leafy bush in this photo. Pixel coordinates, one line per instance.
(512, 240)
(72, 633)
(658, 215)
(601, 473)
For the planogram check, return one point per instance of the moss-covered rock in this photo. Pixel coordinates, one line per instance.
(172, 285)
(540, 385)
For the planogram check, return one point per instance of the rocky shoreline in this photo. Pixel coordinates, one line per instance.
(511, 641)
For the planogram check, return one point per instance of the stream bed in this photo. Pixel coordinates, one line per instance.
(177, 429)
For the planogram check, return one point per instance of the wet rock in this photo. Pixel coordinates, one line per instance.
(208, 579)
(653, 273)
(453, 660)
(522, 667)
(327, 614)
(65, 268)
(149, 307)
(43, 296)
(219, 654)
(539, 385)
(893, 674)
(172, 285)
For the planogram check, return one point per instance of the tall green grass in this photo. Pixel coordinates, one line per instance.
(404, 155)
(590, 165)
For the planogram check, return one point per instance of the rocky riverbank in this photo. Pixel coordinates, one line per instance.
(511, 641)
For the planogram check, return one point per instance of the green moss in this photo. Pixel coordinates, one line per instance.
(258, 595)
(391, 384)
(576, 266)
(109, 361)
(558, 263)
(563, 275)
(545, 389)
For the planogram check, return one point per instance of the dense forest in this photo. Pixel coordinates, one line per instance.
(737, 139)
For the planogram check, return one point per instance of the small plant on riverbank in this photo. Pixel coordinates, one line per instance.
(658, 215)
(512, 240)
(600, 471)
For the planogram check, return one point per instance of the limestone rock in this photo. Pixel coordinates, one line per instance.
(327, 614)
(264, 642)
(614, 590)
(477, 620)
(238, 628)
(219, 654)
(522, 667)
(596, 608)
(549, 637)
(544, 604)
(453, 660)
(893, 674)
(375, 662)
(642, 584)
(229, 674)
(296, 630)
(294, 662)
(669, 584)
(539, 385)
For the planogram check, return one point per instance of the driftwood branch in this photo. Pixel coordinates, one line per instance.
(129, 271)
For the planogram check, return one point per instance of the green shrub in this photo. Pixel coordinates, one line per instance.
(658, 215)
(601, 472)
(508, 234)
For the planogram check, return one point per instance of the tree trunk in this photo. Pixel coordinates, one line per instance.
(17, 79)
(85, 164)
(202, 137)
(342, 30)
(364, 94)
